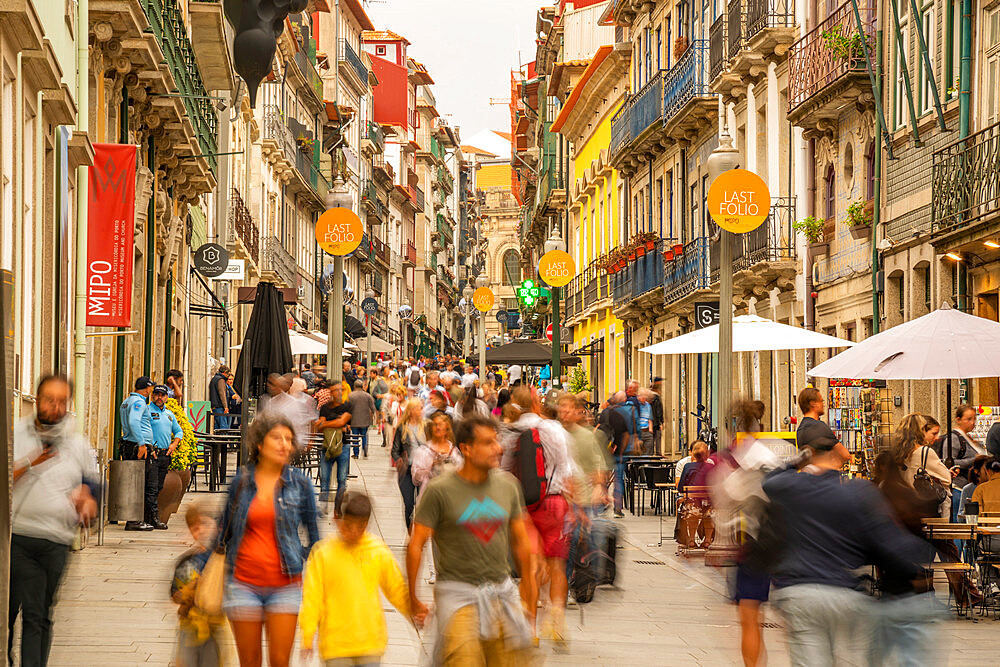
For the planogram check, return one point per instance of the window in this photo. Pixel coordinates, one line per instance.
(899, 90)
(511, 268)
(694, 211)
(926, 102)
(991, 76)
(670, 45)
(659, 49)
(870, 171)
(649, 55)
(952, 53)
(380, 50)
(670, 204)
(830, 194)
(659, 203)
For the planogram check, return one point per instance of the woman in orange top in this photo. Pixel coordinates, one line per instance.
(269, 502)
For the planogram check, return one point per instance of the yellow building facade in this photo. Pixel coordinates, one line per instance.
(594, 95)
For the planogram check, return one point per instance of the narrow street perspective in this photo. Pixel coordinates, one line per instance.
(460, 333)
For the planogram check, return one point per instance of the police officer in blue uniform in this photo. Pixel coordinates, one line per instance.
(137, 444)
(167, 435)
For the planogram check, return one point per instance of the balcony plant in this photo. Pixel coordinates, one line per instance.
(812, 228)
(668, 255)
(860, 216)
(678, 249)
(680, 46)
(649, 239)
(846, 47)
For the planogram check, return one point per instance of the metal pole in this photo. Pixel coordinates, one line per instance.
(876, 207)
(368, 354)
(335, 319)
(147, 344)
(482, 346)
(82, 188)
(556, 347)
(725, 336)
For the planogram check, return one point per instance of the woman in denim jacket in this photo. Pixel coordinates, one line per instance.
(269, 503)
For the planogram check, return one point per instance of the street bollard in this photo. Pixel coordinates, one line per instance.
(126, 484)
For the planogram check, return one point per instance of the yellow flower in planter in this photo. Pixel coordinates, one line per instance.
(184, 456)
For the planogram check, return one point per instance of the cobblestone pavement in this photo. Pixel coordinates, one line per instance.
(114, 608)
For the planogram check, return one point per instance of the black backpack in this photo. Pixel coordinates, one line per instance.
(529, 467)
(414, 377)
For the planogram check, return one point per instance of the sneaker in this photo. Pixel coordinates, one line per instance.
(619, 514)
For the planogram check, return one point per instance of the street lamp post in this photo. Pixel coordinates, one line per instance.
(482, 281)
(466, 308)
(405, 315)
(555, 242)
(337, 197)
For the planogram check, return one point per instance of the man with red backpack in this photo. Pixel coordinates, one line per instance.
(536, 451)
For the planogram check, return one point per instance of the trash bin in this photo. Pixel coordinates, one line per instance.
(126, 486)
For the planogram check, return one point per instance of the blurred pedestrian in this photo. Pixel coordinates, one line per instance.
(475, 517)
(646, 421)
(175, 385)
(55, 486)
(407, 439)
(618, 424)
(340, 592)
(269, 505)
(361, 405)
(959, 449)
(137, 445)
(438, 453)
(199, 636)
(334, 421)
(656, 402)
(811, 432)
(167, 435)
(308, 375)
(819, 551)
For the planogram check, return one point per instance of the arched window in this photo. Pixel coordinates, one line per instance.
(870, 171)
(511, 268)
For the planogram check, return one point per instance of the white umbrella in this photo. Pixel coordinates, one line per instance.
(378, 345)
(322, 337)
(942, 345)
(750, 334)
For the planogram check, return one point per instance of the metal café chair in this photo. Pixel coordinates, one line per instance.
(953, 531)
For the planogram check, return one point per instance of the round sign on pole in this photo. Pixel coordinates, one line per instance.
(211, 260)
(548, 332)
(739, 201)
(338, 231)
(502, 316)
(369, 306)
(556, 268)
(483, 299)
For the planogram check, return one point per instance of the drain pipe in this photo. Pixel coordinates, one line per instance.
(965, 72)
(82, 194)
(810, 314)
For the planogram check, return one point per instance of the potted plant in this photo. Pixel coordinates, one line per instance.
(668, 255)
(678, 249)
(631, 254)
(649, 239)
(178, 477)
(846, 47)
(860, 216)
(680, 46)
(812, 228)
(640, 249)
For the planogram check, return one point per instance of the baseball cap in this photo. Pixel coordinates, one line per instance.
(144, 382)
(161, 389)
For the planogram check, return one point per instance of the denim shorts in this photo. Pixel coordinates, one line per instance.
(246, 602)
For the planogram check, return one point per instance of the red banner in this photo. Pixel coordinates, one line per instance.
(110, 235)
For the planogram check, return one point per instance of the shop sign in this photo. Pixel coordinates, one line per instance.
(739, 201)
(338, 231)
(556, 268)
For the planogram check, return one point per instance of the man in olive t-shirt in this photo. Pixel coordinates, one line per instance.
(474, 516)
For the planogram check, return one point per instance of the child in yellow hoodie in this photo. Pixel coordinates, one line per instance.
(340, 591)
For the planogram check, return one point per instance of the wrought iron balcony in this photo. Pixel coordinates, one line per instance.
(717, 54)
(375, 135)
(687, 80)
(443, 228)
(377, 211)
(640, 277)
(574, 296)
(765, 14)
(411, 254)
(640, 111)
(694, 270)
(416, 196)
(244, 226)
(348, 55)
(380, 250)
(814, 67)
(167, 23)
(773, 241)
(432, 261)
(309, 73)
(735, 27)
(965, 181)
(278, 261)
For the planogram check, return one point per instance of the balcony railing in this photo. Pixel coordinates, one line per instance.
(444, 228)
(411, 253)
(309, 73)
(735, 27)
(717, 47)
(376, 135)
(574, 296)
(167, 23)
(351, 57)
(639, 277)
(432, 260)
(773, 241)
(688, 273)
(365, 251)
(763, 14)
(965, 181)
(417, 196)
(244, 225)
(687, 79)
(278, 261)
(310, 172)
(380, 249)
(812, 66)
(638, 113)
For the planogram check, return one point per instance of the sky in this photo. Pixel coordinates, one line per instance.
(469, 48)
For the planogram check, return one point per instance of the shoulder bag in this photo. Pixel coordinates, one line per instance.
(928, 490)
(210, 587)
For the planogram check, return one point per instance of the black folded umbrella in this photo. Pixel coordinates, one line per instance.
(265, 348)
(354, 327)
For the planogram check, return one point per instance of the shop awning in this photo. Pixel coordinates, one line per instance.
(750, 334)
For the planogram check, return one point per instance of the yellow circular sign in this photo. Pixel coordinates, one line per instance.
(556, 268)
(483, 299)
(739, 201)
(339, 231)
